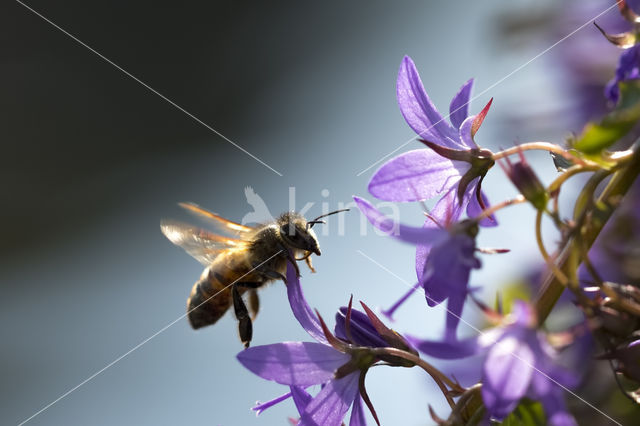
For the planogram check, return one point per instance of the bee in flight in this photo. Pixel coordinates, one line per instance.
(238, 260)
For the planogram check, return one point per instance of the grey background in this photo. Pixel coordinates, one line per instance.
(92, 161)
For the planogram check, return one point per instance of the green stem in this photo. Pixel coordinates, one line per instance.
(441, 380)
(495, 207)
(619, 184)
(558, 274)
(542, 146)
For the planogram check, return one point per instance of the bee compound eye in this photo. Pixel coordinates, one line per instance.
(289, 230)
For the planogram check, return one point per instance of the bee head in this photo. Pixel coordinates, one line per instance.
(297, 233)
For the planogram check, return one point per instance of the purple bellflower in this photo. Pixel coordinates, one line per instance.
(628, 69)
(339, 363)
(629, 63)
(634, 5)
(452, 166)
(444, 261)
(519, 363)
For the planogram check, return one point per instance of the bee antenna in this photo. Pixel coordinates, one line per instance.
(314, 221)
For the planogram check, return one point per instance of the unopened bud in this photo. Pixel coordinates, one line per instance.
(525, 179)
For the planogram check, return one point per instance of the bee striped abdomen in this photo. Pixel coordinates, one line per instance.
(210, 297)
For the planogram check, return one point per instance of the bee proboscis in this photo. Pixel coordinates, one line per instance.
(238, 260)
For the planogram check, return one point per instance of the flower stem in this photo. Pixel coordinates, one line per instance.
(494, 208)
(441, 380)
(560, 276)
(619, 184)
(571, 171)
(542, 146)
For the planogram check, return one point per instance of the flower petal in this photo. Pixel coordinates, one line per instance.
(448, 267)
(446, 349)
(409, 234)
(422, 253)
(449, 208)
(362, 331)
(474, 208)
(459, 107)
(332, 402)
(507, 374)
(300, 308)
(552, 399)
(634, 5)
(293, 363)
(419, 111)
(465, 132)
(357, 413)
(414, 290)
(301, 398)
(415, 175)
(455, 304)
(560, 418)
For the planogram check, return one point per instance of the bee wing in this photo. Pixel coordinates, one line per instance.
(202, 245)
(218, 222)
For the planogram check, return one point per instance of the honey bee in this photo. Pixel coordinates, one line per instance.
(238, 260)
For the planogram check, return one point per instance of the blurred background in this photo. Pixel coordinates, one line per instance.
(92, 161)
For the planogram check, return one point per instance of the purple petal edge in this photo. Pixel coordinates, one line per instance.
(459, 107)
(418, 110)
(301, 309)
(408, 234)
(446, 349)
(332, 402)
(293, 363)
(414, 175)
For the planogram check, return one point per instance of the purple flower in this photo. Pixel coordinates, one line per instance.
(339, 363)
(303, 364)
(519, 363)
(634, 5)
(628, 69)
(444, 260)
(452, 166)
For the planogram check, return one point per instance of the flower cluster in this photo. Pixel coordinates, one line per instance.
(523, 363)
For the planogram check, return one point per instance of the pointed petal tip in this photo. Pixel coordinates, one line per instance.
(477, 122)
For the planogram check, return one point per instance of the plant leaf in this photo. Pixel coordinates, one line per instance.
(596, 137)
(527, 413)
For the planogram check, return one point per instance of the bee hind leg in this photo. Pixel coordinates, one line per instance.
(245, 326)
(254, 303)
(245, 323)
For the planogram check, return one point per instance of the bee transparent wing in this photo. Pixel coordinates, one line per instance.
(218, 222)
(202, 245)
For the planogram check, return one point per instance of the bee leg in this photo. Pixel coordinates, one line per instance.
(274, 275)
(254, 303)
(245, 327)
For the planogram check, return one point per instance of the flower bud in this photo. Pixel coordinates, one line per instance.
(525, 179)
